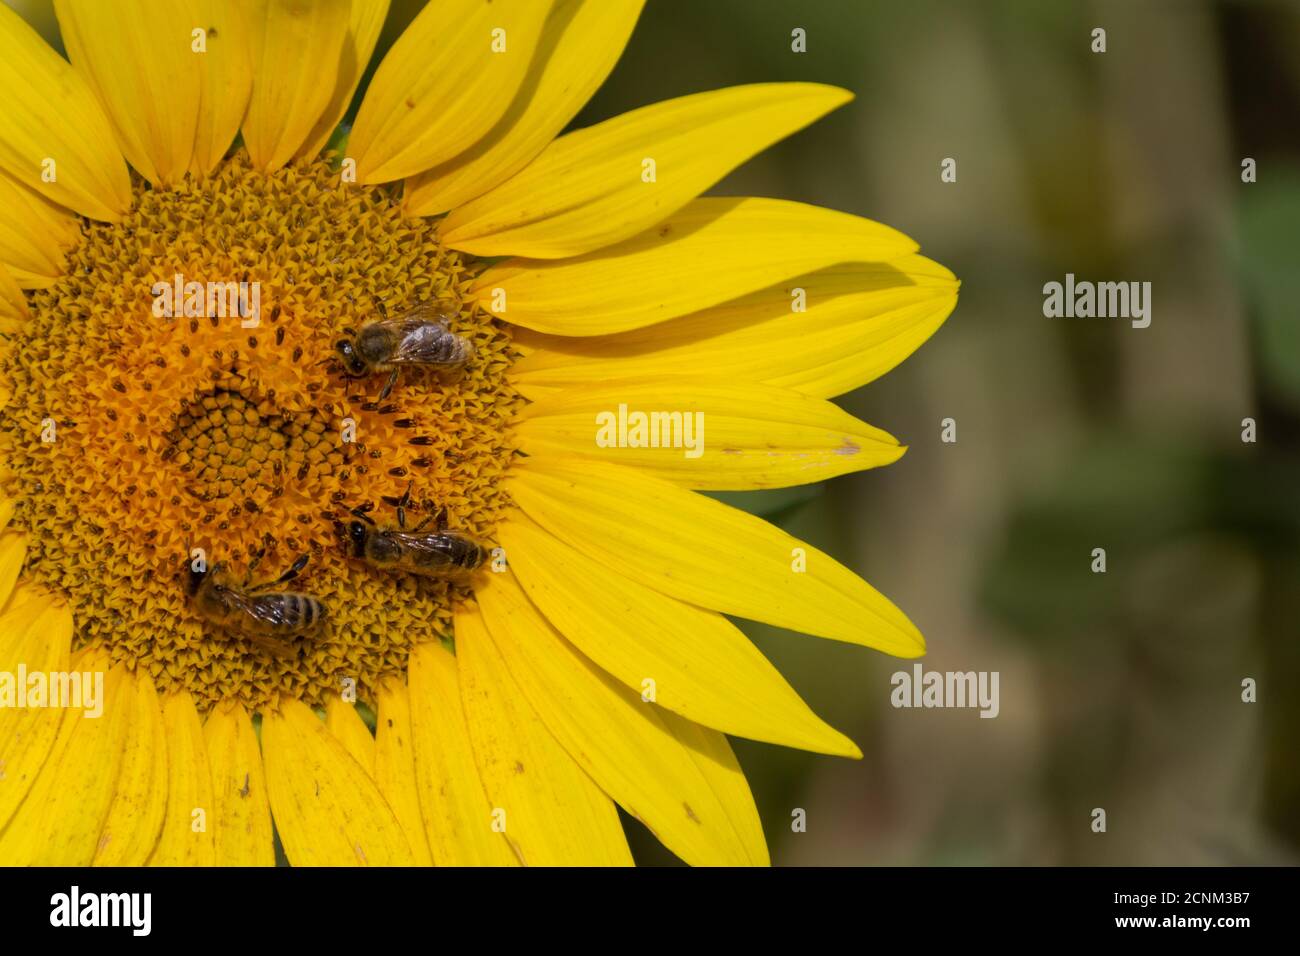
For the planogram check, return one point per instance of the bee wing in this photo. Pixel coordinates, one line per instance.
(428, 343)
(429, 550)
(240, 601)
(283, 610)
(432, 311)
(259, 613)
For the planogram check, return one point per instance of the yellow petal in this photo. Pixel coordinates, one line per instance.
(717, 763)
(598, 186)
(241, 813)
(580, 43)
(13, 304)
(35, 235)
(38, 633)
(72, 160)
(706, 432)
(17, 617)
(861, 320)
(294, 45)
(19, 643)
(364, 24)
(549, 809)
(13, 552)
(696, 662)
(60, 821)
(710, 251)
(142, 68)
(610, 732)
(225, 79)
(703, 552)
(186, 838)
(13, 314)
(327, 808)
(457, 815)
(395, 766)
(346, 724)
(6, 512)
(135, 817)
(443, 85)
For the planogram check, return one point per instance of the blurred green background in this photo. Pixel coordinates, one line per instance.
(1119, 690)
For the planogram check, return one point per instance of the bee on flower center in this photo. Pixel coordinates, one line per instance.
(439, 553)
(419, 337)
(269, 618)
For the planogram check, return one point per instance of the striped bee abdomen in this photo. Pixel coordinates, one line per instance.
(302, 611)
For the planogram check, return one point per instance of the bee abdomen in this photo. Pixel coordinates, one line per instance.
(472, 556)
(464, 553)
(455, 350)
(445, 553)
(301, 612)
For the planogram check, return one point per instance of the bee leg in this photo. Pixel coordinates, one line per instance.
(255, 560)
(289, 575)
(388, 386)
(403, 503)
(420, 526)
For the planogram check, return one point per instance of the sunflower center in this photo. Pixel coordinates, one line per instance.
(131, 438)
(239, 446)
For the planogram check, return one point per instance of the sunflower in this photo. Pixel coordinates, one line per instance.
(633, 344)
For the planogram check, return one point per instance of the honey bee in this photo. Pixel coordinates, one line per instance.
(419, 337)
(439, 554)
(270, 619)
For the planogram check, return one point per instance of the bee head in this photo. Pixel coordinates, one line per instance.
(193, 580)
(192, 577)
(352, 362)
(357, 533)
